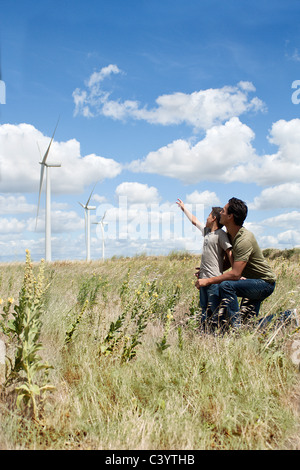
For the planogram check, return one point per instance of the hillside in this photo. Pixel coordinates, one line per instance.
(130, 368)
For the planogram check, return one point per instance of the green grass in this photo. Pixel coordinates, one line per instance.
(229, 391)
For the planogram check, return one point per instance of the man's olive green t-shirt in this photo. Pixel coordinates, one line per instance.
(245, 248)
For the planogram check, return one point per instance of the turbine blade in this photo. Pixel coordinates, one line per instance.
(90, 195)
(103, 216)
(48, 149)
(40, 190)
(39, 149)
(81, 204)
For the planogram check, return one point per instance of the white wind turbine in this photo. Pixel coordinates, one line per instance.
(48, 198)
(87, 210)
(102, 223)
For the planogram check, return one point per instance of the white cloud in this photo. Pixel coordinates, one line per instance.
(212, 158)
(137, 193)
(290, 219)
(20, 169)
(98, 198)
(200, 109)
(285, 195)
(280, 167)
(93, 98)
(61, 222)
(291, 237)
(226, 154)
(15, 205)
(12, 226)
(207, 198)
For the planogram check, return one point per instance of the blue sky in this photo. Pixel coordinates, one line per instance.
(158, 100)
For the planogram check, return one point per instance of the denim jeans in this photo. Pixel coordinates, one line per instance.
(252, 291)
(209, 301)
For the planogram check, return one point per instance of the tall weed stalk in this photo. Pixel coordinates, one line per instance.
(27, 374)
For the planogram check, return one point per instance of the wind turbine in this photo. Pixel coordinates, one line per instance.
(87, 210)
(102, 223)
(2, 84)
(48, 197)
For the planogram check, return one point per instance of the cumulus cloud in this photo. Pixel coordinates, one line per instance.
(138, 193)
(11, 225)
(20, 169)
(291, 237)
(200, 109)
(61, 222)
(207, 198)
(213, 158)
(15, 205)
(280, 167)
(226, 154)
(285, 195)
(289, 219)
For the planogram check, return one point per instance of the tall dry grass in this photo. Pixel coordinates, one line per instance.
(131, 369)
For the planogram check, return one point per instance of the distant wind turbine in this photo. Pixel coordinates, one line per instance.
(2, 84)
(87, 210)
(48, 197)
(102, 223)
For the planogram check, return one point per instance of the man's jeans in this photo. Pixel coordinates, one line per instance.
(209, 301)
(252, 291)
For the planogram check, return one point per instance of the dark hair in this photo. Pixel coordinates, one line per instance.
(216, 212)
(239, 210)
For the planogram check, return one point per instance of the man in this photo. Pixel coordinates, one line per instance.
(215, 245)
(258, 280)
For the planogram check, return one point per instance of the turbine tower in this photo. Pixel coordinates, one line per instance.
(102, 223)
(87, 210)
(48, 198)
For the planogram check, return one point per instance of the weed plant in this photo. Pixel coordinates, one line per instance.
(21, 325)
(132, 369)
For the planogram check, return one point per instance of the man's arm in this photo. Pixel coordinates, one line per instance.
(230, 256)
(233, 275)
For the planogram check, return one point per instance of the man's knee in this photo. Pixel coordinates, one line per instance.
(225, 286)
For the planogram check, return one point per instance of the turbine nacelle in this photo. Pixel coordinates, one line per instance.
(89, 208)
(57, 165)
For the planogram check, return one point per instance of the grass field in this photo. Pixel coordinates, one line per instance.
(130, 368)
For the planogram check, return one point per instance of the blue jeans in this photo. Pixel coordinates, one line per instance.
(209, 301)
(252, 291)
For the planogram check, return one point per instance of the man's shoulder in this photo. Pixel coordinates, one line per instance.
(243, 243)
(244, 234)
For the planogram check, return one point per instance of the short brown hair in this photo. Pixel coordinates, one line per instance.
(216, 212)
(239, 209)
